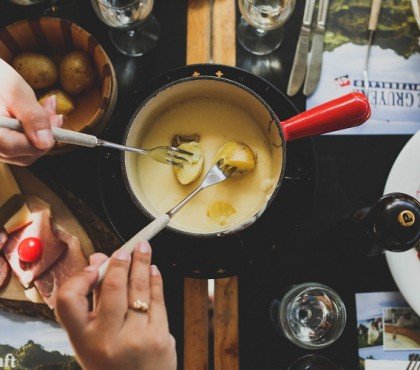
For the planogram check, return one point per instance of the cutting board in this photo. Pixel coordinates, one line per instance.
(13, 297)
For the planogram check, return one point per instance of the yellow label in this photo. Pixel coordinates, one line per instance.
(406, 218)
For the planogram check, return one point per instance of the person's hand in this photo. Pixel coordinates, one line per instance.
(18, 100)
(112, 335)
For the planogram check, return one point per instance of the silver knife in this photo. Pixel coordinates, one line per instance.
(301, 56)
(315, 56)
(373, 23)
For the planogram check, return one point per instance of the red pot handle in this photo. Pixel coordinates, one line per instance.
(347, 111)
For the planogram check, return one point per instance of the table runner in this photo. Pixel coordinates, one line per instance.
(203, 46)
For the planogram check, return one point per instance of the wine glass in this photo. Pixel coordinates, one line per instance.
(26, 2)
(260, 30)
(53, 10)
(134, 30)
(310, 315)
(313, 362)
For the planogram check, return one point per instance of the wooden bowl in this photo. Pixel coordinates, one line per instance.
(55, 37)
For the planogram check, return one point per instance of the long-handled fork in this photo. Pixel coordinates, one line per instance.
(163, 154)
(215, 175)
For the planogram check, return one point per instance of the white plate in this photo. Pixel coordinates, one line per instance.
(405, 178)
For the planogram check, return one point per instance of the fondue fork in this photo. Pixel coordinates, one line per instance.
(215, 175)
(163, 154)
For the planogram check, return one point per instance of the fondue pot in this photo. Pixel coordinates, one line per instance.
(202, 254)
(344, 112)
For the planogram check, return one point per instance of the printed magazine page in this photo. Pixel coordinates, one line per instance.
(393, 70)
(387, 328)
(30, 343)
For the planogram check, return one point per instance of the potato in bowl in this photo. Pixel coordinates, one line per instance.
(48, 42)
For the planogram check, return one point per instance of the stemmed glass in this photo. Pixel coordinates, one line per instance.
(260, 30)
(313, 362)
(26, 2)
(134, 29)
(310, 315)
(52, 11)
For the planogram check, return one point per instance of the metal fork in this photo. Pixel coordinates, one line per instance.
(215, 175)
(414, 363)
(163, 154)
(218, 173)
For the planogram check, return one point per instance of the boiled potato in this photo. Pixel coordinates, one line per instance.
(219, 212)
(177, 140)
(190, 171)
(238, 155)
(76, 72)
(64, 103)
(38, 70)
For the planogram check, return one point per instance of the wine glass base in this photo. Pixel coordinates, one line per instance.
(313, 362)
(259, 42)
(311, 315)
(137, 41)
(63, 9)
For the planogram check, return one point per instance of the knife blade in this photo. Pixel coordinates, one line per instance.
(315, 56)
(297, 74)
(416, 10)
(373, 23)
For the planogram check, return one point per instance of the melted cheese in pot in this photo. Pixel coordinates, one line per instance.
(217, 123)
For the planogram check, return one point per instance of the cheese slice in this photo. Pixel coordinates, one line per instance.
(8, 189)
(14, 214)
(14, 291)
(33, 295)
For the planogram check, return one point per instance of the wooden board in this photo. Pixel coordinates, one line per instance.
(196, 323)
(199, 31)
(211, 37)
(103, 239)
(196, 305)
(226, 334)
(224, 32)
(226, 329)
(30, 185)
(14, 297)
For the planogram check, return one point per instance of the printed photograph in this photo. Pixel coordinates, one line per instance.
(370, 333)
(393, 65)
(401, 329)
(34, 344)
(371, 325)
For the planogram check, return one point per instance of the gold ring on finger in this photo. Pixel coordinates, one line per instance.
(140, 306)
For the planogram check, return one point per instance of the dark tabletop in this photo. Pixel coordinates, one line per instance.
(351, 173)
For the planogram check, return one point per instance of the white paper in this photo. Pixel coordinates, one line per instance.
(386, 365)
(394, 94)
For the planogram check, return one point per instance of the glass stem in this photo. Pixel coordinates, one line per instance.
(261, 32)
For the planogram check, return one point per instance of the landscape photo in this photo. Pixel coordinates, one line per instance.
(394, 76)
(371, 323)
(401, 329)
(32, 344)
